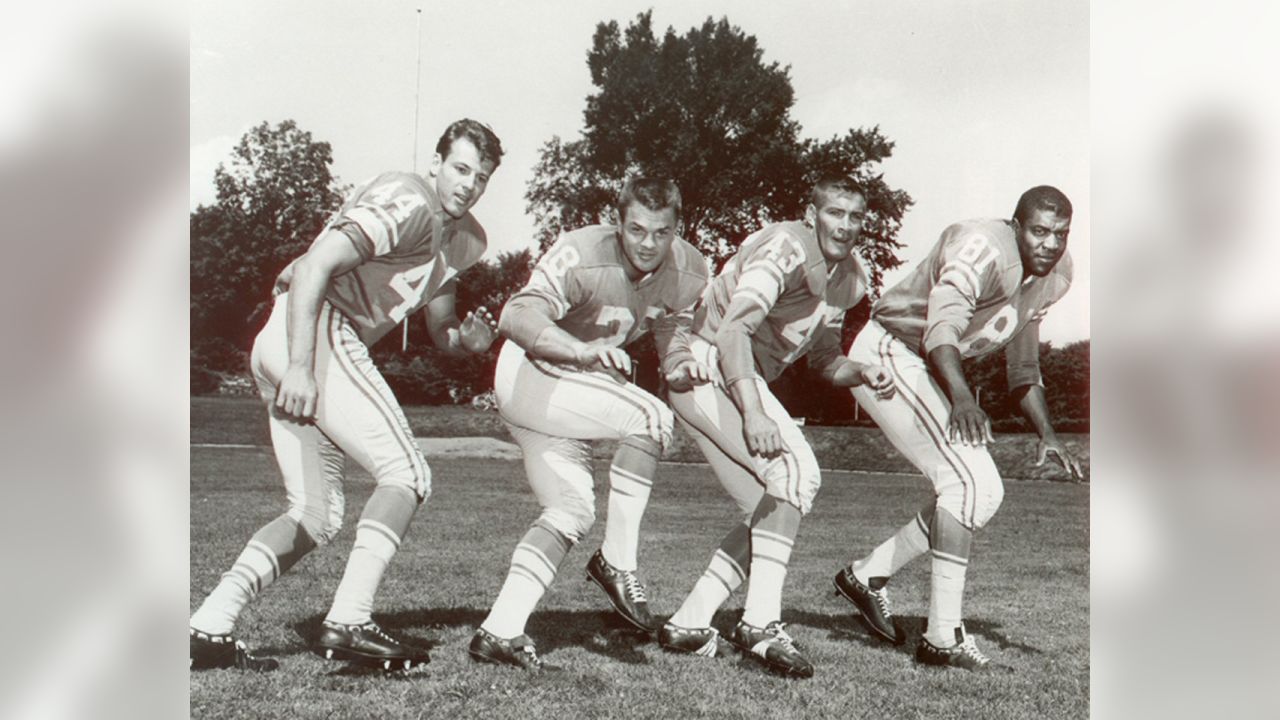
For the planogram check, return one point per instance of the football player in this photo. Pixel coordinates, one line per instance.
(561, 382)
(396, 246)
(783, 295)
(985, 285)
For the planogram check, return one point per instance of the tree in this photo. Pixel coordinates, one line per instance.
(273, 197)
(704, 109)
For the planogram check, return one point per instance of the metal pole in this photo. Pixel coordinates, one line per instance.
(417, 83)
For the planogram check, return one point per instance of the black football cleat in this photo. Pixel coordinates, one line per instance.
(696, 641)
(872, 601)
(624, 589)
(209, 652)
(964, 654)
(368, 645)
(772, 647)
(519, 652)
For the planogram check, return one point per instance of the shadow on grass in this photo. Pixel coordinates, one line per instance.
(601, 632)
(851, 627)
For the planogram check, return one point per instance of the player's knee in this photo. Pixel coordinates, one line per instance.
(317, 521)
(990, 494)
(645, 444)
(953, 499)
(573, 523)
(414, 477)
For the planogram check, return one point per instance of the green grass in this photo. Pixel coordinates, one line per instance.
(1026, 602)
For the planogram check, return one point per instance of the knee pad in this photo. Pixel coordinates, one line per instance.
(990, 493)
(320, 521)
(573, 524)
(415, 477)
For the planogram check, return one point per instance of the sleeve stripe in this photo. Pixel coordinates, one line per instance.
(969, 274)
(762, 282)
(754, 296)
(374, 227)
(767, 266)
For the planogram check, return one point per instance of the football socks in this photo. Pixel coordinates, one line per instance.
(724, 574)
(630, 479)
(910, 542)
(378, 534)
(950, 543)
(773, 532)
(533, 566)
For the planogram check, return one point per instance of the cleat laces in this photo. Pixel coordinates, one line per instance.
(781, 635)
(634, 589)
(970, 649)
(881, 597)
(530, 652)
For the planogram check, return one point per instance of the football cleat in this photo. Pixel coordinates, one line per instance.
(772, 647)
(624, 589)
(872, 601)
(696, 641)
(964, 654)
(519, 652)
(224, 651)
(368, 645)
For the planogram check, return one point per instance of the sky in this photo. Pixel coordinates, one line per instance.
(983, 99)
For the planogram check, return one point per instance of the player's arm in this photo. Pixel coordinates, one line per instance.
(826, 357)
(1027, 387)
(673, 337)
(331, 254)
(474, 334)
(968, 262)
(529, 317)
(759, 286)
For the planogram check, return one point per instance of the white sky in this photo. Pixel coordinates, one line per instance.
(984, 99)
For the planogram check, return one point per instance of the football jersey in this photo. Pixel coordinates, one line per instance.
(779, 291)
(410, 248)
(969, 292)
(581, 286)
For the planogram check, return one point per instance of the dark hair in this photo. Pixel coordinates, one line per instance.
(480, 135)
(832, 183)
(1042, 197)
(653, 193)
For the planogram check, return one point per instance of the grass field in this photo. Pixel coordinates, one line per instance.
(1027, 604)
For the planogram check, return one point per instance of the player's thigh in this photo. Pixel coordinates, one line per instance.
(739, 481)
(579, 404)
(312, 469)
(357, 409)
(560, 474)
(793, 475)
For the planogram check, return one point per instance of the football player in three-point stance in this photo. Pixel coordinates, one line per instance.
(561, 383)
(396, 246)
(986, 284)
(784, 294)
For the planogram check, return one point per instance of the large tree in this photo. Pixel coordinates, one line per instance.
(274, 195)
(705, 109)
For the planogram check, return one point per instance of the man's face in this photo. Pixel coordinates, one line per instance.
(838, 223)
(646, 237)
(461, 178)
(1041, 241)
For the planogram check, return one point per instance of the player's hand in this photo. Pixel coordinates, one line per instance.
(878, 378)
(478, 330)
(969, 424)
(762, 435)
(688, 373)
(1065, 457)
(614, 361)
(296, 395)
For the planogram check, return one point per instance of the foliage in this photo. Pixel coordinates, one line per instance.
(273, 197)
(705, 109)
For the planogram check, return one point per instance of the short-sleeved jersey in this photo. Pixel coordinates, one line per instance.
(410, 247)
(581, 285)
(969, 292)
(779, 290)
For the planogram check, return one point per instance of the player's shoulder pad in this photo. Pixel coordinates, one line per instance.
(1065, 268)
(470, 241)
(405, 182)
(592, 246)
(691, 273)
